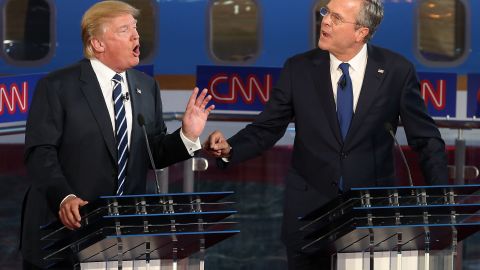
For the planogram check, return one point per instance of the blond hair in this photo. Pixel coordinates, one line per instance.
(94, 19)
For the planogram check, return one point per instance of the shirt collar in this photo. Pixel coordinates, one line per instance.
(355, 63)
(103, 72)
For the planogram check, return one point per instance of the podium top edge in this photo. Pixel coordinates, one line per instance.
(168, 194)
(415, 187)
(175, 233)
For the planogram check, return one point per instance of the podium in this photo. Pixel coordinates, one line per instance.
(394, 227)
(152, 229)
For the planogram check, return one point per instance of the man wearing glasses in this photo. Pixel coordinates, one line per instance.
(340, 96)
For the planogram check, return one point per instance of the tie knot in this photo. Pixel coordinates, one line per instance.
(344, 68)
(117, 78)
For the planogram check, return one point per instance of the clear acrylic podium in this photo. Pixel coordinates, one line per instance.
(152, 231)
(406, 227)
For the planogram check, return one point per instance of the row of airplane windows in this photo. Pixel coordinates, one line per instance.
(234, 35)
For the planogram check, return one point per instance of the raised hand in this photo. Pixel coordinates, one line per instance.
(196, 114)
(216, 145)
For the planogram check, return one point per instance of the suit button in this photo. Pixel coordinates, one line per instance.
(343, 155)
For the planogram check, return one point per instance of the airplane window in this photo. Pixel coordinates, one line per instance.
(234, 30)
(441, 30)
(145, 27)
(317, 21)
(26, 35)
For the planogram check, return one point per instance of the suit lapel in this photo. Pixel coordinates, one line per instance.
(96, 101)
(374, 74)
(320, 73)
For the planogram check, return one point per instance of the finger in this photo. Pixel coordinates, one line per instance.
(76, 214)
(206, 145)
(209, 109)
(214, 143)
(212, 139)
(201, 98)
(193, 96)
(205, 101)
(65, 220)
(220, 145)
(219, 139)
(71, 220)
(226, 151)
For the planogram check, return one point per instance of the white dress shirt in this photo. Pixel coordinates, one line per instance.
(357, 67)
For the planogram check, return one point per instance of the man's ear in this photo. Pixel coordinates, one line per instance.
(362, 33)
(97, 45)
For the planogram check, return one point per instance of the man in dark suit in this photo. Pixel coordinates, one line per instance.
(340, 96)
(82, 138)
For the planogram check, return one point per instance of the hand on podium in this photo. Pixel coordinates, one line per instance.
(69, 212)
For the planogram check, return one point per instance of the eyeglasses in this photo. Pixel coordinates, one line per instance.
(334, 17)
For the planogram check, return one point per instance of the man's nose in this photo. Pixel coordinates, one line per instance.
(135, 34)
(327, 22)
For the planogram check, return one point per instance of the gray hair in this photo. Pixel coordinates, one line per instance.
(370, 16)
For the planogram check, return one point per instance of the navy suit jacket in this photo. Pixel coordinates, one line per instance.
(304, 93)
(70, 145)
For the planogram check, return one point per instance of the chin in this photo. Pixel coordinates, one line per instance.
(322, 45)
(134, 63)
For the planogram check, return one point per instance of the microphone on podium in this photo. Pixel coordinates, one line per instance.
(389, 129)
(141, 122)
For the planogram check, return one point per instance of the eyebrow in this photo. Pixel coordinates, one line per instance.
(334, 13)
(127, 25)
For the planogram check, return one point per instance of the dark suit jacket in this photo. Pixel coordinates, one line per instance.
(70, 144)
(304, 93)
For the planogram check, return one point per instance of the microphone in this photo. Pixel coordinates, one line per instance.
(126, 96)
(141, 122)
(389, 129)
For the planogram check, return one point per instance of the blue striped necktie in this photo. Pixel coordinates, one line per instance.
(344, 106)
(121, 134)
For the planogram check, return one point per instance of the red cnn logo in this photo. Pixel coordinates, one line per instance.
(435, 96)
(248, 90)
(13, 99)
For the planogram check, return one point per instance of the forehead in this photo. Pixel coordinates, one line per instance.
(120, 20)
(346, 8)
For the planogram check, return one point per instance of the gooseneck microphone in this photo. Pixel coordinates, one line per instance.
(141, 122)
(389, 129)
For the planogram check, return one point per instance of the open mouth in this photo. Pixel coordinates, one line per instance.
(136, 51)
(324, 34)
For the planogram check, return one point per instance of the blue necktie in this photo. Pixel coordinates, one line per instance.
(344, 100)
(121, 134)
(344, 105)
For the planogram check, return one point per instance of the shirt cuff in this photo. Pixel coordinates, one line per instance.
(190, 145)
(66, 197)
